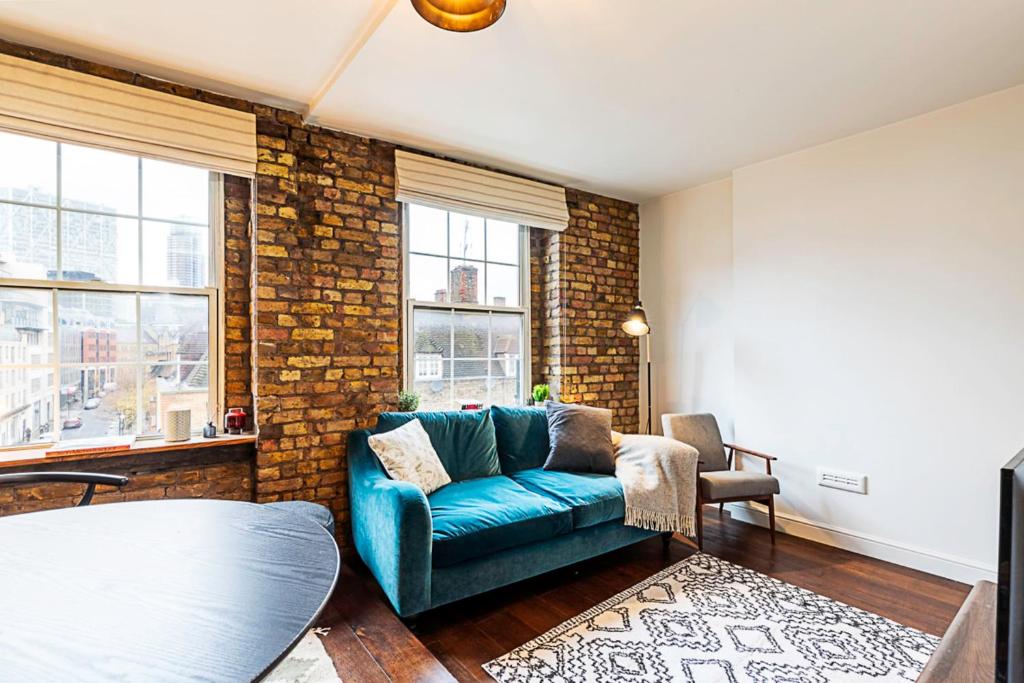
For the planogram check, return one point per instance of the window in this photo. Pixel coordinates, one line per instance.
(467, 309)
(108, 292)
(428, 366)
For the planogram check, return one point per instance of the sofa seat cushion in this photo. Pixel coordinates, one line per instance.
(736, 483)
(477, 517)
(594, 498)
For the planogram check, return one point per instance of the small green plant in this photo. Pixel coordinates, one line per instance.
(541, 393)
(408, 401)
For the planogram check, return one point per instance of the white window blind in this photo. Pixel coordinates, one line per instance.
(43, 100)
(446, 185)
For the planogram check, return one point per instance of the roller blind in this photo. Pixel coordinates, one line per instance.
(65, 105)
(446, 185)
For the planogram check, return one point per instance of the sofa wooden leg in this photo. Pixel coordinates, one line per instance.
(721, 509)
(666, 538)
(771, 517)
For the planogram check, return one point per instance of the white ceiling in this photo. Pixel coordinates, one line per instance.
(630, 98)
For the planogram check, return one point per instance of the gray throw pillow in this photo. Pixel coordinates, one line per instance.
(581, 439)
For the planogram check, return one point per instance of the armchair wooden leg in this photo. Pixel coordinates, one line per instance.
(771, 517)
(666, 539)
(721, 509)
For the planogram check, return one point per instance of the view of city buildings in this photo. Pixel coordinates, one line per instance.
(186, 262)
(463, 357)
(124, 359)
(26, 393)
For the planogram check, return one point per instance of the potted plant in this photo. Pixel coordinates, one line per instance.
(541, 393)
(408, 401)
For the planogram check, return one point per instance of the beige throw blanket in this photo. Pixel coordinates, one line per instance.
(659, 479)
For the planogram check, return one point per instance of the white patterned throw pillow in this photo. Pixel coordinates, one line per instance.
(408, 455)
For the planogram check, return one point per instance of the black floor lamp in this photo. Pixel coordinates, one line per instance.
(636, 325)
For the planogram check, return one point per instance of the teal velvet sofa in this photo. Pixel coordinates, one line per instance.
(501, 520)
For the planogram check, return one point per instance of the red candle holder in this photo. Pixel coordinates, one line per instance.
(234, 421)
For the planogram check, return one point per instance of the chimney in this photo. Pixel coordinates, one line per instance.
(463, 284)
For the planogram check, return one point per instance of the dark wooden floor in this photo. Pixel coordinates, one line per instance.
(369, 643)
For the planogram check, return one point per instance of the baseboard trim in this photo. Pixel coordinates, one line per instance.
(955, 568)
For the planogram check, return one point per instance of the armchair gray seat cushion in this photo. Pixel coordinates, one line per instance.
(736, 484)
(317, 513)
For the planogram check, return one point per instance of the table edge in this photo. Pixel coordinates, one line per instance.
(316, 615)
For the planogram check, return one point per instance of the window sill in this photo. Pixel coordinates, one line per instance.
(37, 456)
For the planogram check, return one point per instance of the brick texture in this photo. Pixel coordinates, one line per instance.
(328, 266)
(238, 293)
(583, 282)
(313, 306)
(224, 473)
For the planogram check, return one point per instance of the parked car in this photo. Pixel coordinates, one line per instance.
(92, 403)
(73, 422)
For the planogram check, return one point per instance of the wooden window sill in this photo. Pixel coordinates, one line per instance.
(36, 456)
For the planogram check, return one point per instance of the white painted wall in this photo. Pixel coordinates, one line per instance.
(878, 326)
(686, 287)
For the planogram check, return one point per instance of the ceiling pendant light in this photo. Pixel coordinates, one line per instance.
(460, 15)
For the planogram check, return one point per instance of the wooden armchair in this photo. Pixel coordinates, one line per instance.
(88, 478)
(720, 482)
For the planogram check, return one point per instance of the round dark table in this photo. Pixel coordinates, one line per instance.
(158, 590)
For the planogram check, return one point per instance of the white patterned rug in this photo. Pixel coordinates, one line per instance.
(308, 662)
(704, 620)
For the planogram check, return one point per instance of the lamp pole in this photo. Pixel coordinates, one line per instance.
(636, 325)
(648, 336)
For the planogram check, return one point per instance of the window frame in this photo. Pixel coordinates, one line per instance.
(410, 305)
(213, 293)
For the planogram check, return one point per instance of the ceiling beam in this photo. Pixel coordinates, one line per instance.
(381, 9)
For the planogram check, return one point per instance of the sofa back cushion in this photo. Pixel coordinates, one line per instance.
(522, 436)
(464, 440)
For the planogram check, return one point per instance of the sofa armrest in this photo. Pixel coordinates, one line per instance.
(391, 528)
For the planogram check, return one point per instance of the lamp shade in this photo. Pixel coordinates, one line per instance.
(460, 15)
(636, 322)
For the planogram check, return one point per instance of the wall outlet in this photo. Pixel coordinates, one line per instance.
(846, 481)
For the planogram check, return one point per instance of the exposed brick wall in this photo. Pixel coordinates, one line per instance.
(238, 293)
(538, 245)
(589, 276)
(313, 301)
(225, 473)
(546, 309)
(327, 303)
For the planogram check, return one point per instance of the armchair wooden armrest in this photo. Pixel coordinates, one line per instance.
(768, 459)
(750, 452)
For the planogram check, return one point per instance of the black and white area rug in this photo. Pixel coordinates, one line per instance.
(308, 662)
(704, 620)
